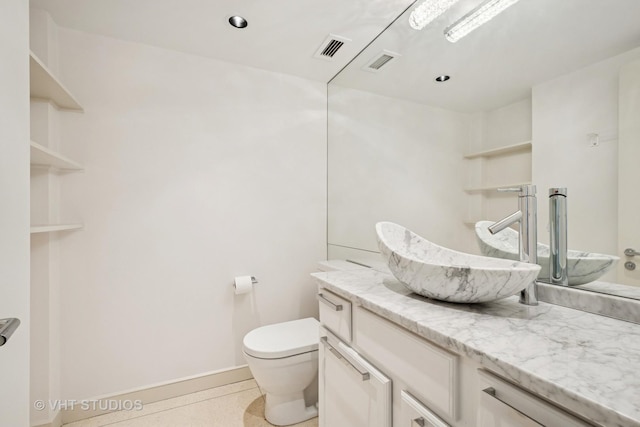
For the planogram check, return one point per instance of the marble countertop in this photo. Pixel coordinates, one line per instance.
(586, 363)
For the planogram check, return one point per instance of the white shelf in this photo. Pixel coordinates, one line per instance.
(42, 156)
(522, 146)
(494, 187)
(44, 85)
(47, 228)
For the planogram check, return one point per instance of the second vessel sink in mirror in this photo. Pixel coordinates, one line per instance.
(444, 274)
(582, 267)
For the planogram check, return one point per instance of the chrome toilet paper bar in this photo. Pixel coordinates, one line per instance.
(7, 328)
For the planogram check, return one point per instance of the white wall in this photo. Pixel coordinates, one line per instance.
(504, 126)
(394, 160)
(196, 171)
(565, 111)
(44, 191)
(14, 193)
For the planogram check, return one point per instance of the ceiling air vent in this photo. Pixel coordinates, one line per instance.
(379, 61)
(330, 47)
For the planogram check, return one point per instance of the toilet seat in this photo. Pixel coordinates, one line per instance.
(283, 339)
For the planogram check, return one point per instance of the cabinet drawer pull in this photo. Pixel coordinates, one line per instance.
(427, 418)
(344, 359)
(334, 306)
(493, 393)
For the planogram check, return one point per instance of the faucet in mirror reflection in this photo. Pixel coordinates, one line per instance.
(558, 273)
(527, 218)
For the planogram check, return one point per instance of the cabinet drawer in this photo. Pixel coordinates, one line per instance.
(503, 404)
(352, 392)
(415, 414)
(335, 313)
(429, 372)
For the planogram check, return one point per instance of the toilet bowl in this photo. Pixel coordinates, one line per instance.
(283, 359)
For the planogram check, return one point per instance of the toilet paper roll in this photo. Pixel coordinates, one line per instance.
(243, 285)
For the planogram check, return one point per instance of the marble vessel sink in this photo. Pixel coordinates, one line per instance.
(447, 275)
(582, 267)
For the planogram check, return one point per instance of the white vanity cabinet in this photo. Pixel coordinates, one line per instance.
(425, 377)
(503, 404)
(352, 392)
(362, 354)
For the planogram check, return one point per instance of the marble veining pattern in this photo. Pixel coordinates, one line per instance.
(586, 363)
(582, 267)
(617, 289)
(448, 275)
(595, 298)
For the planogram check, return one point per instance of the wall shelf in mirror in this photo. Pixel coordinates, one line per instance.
(494, 187)
(43, 156)
(48, 228)
(507, 149)
(44, 85)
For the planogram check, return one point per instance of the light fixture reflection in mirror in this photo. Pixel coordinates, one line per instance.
(428, 11)
(477, 17)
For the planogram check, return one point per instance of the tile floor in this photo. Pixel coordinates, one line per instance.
(234, 405)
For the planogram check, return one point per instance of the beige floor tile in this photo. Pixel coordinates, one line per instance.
(164, 405)
(239, 406)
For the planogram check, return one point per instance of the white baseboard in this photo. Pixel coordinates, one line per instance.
(55, 422)
(157, 392)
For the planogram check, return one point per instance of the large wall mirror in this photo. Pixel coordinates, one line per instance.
(547, 92)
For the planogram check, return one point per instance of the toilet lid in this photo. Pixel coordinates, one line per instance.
(283, 339)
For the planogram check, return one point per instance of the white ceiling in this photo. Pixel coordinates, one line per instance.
(282, 35)
(531, 42)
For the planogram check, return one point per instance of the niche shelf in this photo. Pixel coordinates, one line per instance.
(43, 156)
(44, 85)
(48, 228)
(507, 149)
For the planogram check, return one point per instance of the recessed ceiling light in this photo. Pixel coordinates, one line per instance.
(442, 78)
(238, 21)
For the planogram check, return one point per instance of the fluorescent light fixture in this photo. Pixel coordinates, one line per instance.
(428, 11)
(480, 15)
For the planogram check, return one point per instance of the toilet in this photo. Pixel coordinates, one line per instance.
(283, 359)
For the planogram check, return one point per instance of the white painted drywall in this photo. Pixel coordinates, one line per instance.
(14, 193)
(565, 111)
(196, 171)
(508, 125)
(394, 160)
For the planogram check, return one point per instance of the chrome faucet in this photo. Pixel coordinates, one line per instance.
(558, 237)
(527, 217)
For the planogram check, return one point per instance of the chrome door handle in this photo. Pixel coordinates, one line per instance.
(334, 306)
(492, 392)
(364, 375)
(631, 252)
(426, 418)
(7, 328)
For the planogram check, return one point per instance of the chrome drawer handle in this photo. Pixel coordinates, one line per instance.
(334, 306)
(364, 375)
(427, 418)
(493, 393)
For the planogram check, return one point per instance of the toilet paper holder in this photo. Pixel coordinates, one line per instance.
(244, 284)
